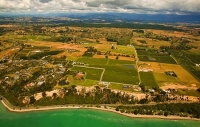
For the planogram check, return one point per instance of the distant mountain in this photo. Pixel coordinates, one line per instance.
(126, 17)
(193, 18)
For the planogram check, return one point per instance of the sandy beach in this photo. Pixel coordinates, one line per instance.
(108, 109)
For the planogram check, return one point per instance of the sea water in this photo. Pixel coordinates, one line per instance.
(83, 118)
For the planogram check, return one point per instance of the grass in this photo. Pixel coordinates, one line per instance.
(120, 74)
(148, 79)
(188, 92)
(93, 74)
(153, 56)
(162, 78)
(93, 61)
(86, 82)
(116, 62)
(114, 70)
(165, 59)
(123, 50)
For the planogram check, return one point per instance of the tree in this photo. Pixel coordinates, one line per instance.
(198, 89)
(117, 57)
(166, 113)
(54, 95)
(43, 94)
(97, 41)
(117, 109)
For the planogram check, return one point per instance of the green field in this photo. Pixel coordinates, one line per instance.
(154, 56)
(120, 74)
(86, 82)
(93, 74)
(162, 78)
(120, 62)
(93, 61)
(120, 71)
(148, 79)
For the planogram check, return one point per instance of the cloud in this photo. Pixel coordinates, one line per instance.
(129, 6)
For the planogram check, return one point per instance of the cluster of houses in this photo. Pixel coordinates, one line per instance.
(19, 70)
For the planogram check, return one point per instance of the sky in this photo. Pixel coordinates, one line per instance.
(91, 6)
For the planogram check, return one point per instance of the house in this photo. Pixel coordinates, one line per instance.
(79, 75)
(30, 84)
(40, 83)
(125, 86)
(171, 73)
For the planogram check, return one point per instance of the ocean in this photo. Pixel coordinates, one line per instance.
(83, 118)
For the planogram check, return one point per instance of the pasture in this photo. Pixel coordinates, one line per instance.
(148, 79)
(120, 71)
(90, 73)
(155, 56)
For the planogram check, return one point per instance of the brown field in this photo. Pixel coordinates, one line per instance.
(182, 74)
(59, 45)
(8, 53)
(184, 77)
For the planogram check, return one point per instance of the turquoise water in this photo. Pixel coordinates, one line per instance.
(82, 118)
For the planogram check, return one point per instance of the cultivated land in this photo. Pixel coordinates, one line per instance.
(162, 65)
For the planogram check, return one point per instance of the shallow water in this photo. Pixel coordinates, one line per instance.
(82, 118)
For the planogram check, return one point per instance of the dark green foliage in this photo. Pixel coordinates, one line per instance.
(112, 39)
(42, 54)
(138, 31)
(198, 89)
(59, 39)
(165, 109)
(142, 41)
(120, 41)
(143, 101)
(90, 52)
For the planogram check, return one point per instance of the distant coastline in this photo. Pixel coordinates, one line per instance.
(108, 109)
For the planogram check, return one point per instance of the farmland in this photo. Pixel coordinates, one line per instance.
(155, 56)
(121, 71)
(91, 73)
(148, 79)
(120, 55)
(189, 61)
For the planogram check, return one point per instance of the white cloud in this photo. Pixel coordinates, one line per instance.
(132, 6)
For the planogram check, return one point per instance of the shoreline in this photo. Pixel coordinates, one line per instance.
(100, 109)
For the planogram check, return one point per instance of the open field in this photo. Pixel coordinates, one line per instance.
(182, 74)
(121, 71)
(91, 73)
(148, 79)
(86, 82)
(155, 56)
(120, 74)
(188, 60)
